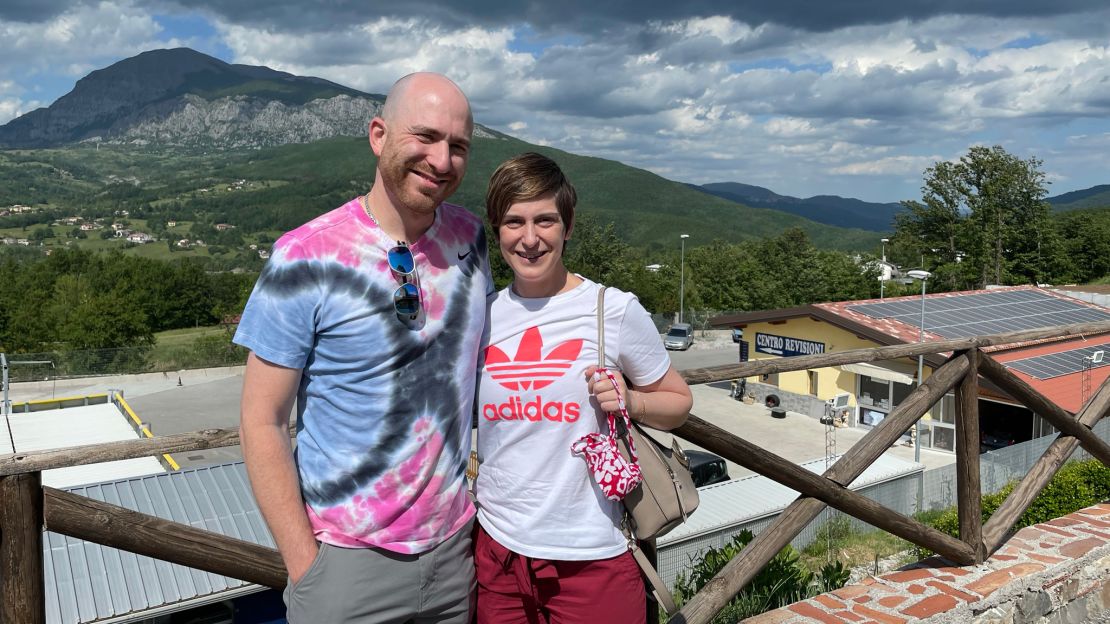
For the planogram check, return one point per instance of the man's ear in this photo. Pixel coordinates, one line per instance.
(377, 135)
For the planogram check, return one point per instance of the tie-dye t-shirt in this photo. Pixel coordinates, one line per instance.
(384, 406)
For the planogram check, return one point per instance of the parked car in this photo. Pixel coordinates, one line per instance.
(737, 334)
(680, 336)
(707, 468)
(988, 442)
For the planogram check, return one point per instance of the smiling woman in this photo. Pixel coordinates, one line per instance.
(540, 511)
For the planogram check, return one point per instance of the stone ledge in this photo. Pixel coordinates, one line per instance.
(1057, 572)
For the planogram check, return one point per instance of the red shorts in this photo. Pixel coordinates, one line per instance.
(514, 589)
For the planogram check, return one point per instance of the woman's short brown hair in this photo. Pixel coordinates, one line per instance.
(524, 178)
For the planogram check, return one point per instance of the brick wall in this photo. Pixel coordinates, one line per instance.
(1056, 572)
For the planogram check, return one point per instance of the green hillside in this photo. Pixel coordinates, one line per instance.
(292, 183)
(1094, 197)
(648, 210)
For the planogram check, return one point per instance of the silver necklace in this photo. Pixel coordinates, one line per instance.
(365, 201)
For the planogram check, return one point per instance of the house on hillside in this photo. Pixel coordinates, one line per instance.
(140, 237)
(223, 227)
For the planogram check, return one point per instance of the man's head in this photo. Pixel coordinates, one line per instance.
(422, 140)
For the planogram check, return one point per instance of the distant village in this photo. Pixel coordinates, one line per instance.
(119, 228)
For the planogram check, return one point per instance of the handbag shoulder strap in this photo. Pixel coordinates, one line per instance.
(601, 326)
(659, 588)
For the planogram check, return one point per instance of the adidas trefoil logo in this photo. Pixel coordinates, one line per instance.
(530, 369)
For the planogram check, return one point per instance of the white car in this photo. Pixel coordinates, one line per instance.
(680, 336)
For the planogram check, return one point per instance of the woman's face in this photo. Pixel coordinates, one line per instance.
(532, 236)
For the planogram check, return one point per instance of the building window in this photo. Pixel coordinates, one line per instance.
(944, 438)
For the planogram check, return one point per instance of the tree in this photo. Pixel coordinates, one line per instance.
(41, 233)
(982, 220)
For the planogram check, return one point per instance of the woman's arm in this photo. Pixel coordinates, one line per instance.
(662, 405)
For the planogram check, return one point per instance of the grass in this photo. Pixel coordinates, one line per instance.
(196, 347)
(854, 548)
(179, 337)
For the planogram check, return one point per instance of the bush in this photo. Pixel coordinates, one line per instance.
(1078, 484)
(782, 581)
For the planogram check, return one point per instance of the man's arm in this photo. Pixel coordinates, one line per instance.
(268, 394)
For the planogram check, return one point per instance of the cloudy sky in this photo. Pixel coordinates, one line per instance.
(805, 98)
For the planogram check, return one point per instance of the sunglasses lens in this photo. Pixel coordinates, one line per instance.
(400, 260)
(407, 300)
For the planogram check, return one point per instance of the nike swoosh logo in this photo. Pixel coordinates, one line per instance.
(463, 256)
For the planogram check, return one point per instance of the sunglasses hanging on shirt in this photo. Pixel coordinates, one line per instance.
(406, 299)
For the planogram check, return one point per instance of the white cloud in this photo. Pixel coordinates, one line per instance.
(10, 108)
(700, 99)
(891, 165)
(82, 37)
(375, 54)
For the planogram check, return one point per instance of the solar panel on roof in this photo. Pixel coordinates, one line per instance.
(962, 316)
(1060, 364)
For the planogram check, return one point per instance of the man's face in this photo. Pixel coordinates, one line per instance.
(423, 149)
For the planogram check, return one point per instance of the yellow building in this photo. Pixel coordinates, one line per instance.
(871, 391)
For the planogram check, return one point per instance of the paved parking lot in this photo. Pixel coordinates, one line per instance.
(196, 400)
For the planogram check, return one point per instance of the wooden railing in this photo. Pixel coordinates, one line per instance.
(26, 508)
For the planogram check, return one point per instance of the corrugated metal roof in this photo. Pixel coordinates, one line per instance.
(73, 426)
(743, 500)
(88, 582)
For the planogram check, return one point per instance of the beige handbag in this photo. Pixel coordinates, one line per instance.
(666, 496)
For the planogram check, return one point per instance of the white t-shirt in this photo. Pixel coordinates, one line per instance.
(535, 496)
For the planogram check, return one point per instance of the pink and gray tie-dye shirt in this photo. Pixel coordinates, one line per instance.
(384, 406)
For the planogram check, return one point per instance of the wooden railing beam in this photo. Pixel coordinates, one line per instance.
(754, 457)
(111, 451)
(742, 569)
(22, 586)
(111, 525)
(969, 490)
(823, 360)
(1035, 480)
(1053, 413)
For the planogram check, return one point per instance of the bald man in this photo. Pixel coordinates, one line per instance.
(370, 316)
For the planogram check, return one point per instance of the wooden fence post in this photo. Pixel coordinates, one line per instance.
(969, 489)
(22, 589)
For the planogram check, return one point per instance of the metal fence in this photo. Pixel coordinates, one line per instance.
(699, 319)
(50, 365)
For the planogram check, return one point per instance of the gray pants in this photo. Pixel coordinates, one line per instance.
(374, 586)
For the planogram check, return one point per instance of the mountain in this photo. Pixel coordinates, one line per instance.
(830, 209)
(1094, 197)
(183, 97)
(301, 142)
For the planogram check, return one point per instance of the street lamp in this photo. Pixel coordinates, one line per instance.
(924, 276)
(882, 276)
(682, 277)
